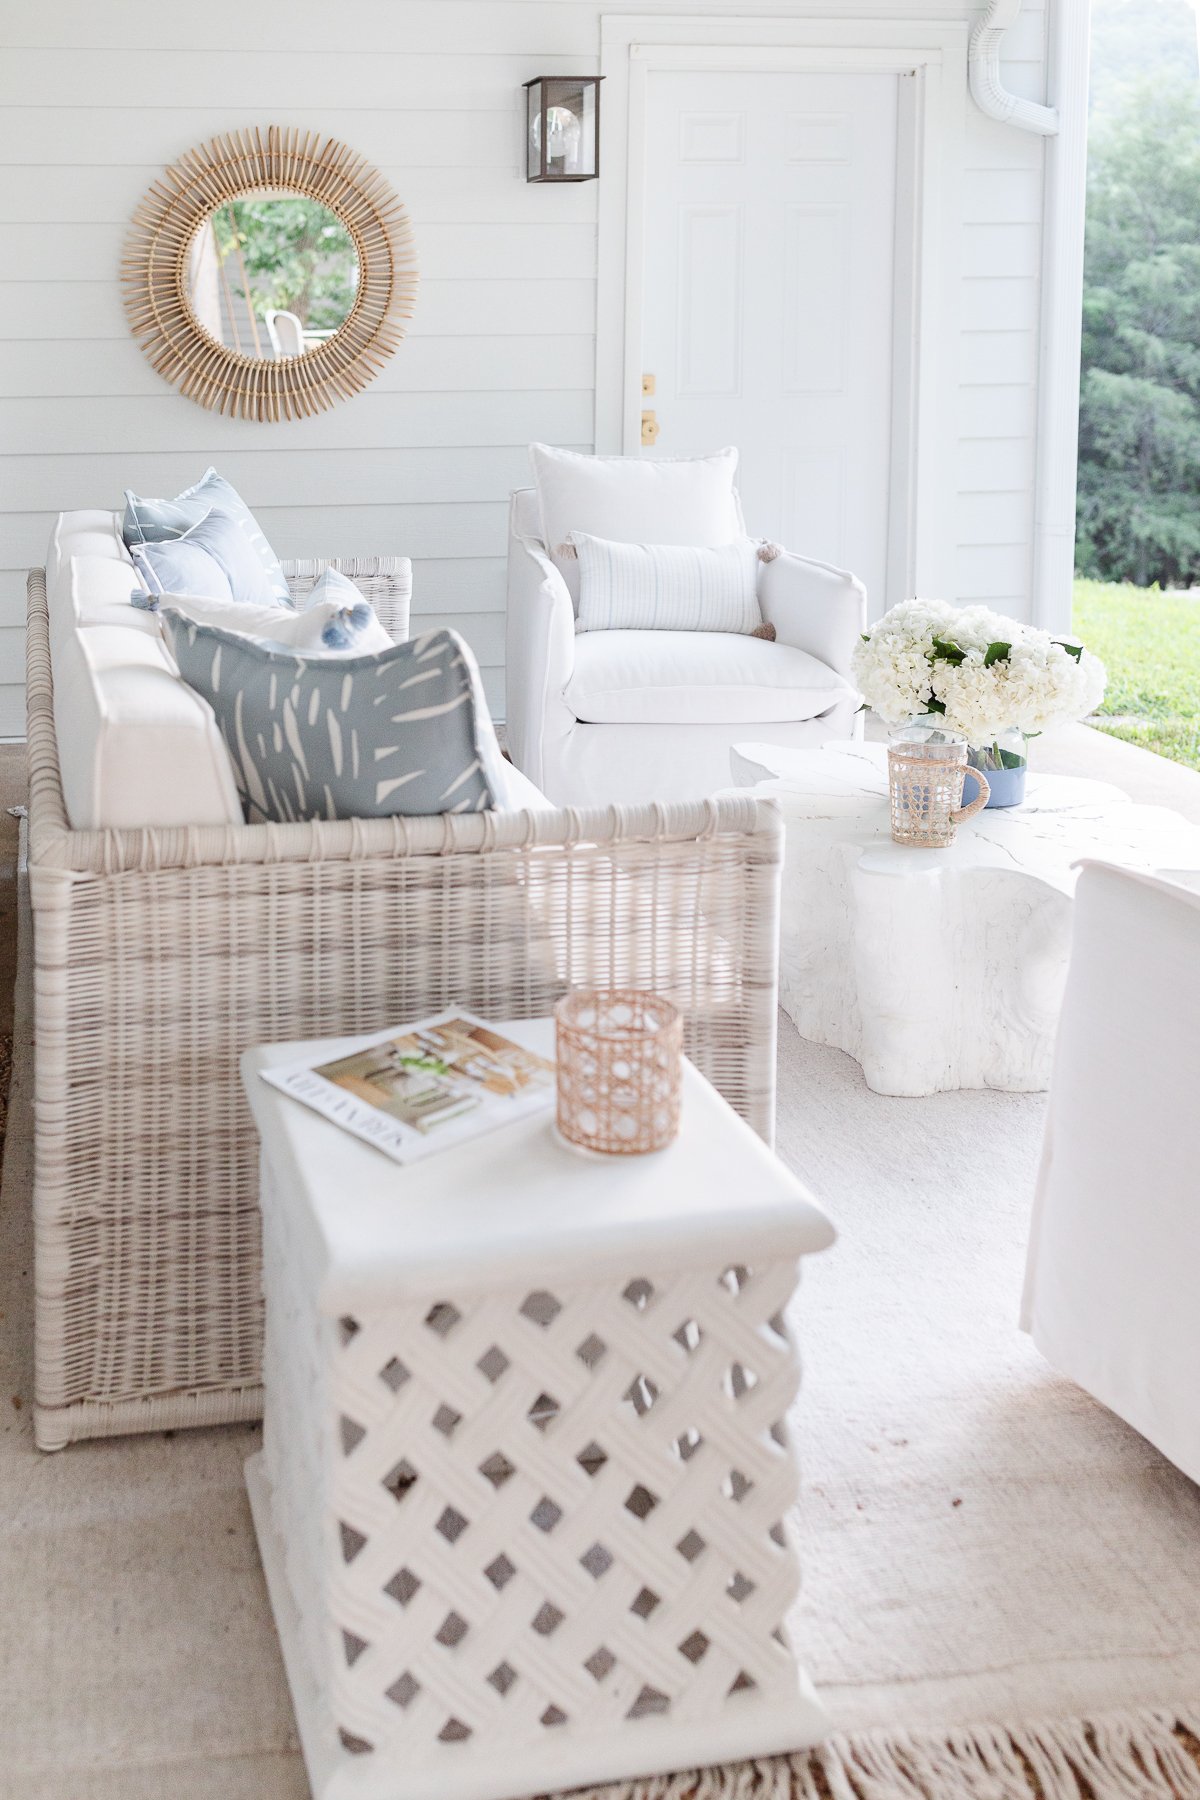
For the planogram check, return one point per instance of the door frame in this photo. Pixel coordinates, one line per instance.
(931, 59)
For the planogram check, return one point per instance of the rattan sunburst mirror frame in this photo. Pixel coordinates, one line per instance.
(154, 273)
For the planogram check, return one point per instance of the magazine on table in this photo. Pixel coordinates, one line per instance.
(420, 1089)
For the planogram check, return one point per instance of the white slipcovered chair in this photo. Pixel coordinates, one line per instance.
(623, 717)
(1110, 1287)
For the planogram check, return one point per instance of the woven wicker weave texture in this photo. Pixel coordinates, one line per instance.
(161, 955)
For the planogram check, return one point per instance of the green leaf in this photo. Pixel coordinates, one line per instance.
(945, 650)
(995, 653)
(1075, 650)
(935, 706)
(1011, 759)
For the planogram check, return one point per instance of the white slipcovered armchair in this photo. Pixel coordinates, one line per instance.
(1110, 1287)
(621, 717)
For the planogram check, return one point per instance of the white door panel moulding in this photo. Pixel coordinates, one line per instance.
(931, 58)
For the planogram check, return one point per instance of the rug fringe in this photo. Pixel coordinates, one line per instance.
(1114, 1756)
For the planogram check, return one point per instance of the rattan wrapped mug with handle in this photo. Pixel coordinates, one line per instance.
(927, 765)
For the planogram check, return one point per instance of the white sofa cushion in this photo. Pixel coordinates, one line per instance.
(666, 587)
(685, 500)
(694, 678)
(135, 746)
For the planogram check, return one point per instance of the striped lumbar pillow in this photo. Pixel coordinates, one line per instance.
(401, 730)
(666, 587)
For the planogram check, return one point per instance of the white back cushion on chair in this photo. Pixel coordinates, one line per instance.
(666, 587)
(688, 500)
(696, 678)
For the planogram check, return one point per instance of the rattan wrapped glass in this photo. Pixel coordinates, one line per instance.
(160, 955)
(926, 768)
(618, 1071)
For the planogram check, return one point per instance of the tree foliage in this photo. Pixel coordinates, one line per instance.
(298, 257)
(1139, 444)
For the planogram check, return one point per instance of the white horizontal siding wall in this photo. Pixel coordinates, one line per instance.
(95, 99)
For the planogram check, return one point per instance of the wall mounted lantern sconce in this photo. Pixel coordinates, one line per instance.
(562, 128)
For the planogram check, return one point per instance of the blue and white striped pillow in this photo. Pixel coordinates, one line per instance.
(666, 587)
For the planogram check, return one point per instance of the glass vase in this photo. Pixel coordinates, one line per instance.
(1004, 762)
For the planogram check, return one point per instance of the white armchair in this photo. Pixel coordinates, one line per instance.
(621, 717)
(1110, 1286)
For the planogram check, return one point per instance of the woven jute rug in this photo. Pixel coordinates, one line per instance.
(1002, 1590)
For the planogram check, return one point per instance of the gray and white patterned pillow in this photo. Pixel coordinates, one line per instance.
(403, 730)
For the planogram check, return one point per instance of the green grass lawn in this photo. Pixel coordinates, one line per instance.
(1151, 647)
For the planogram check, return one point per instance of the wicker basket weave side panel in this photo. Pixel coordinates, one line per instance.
(152, 983)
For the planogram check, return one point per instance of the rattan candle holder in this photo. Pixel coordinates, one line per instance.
(618, 1070)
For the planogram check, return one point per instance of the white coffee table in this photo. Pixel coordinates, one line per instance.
(521, 1496)
(939, 968)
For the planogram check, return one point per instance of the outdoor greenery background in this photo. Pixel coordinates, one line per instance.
(1139, 441)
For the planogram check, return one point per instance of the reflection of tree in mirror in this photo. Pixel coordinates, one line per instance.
(297, 255)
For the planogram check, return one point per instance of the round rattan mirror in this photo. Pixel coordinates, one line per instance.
(270, 273)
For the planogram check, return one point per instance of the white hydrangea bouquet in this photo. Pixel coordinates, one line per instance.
(988, 677)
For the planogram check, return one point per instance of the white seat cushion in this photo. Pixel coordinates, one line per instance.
(695, 678)
(520, 795)
(135, 746)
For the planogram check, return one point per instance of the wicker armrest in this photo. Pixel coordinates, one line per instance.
(386, 581)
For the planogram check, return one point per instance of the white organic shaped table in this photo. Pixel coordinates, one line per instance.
(939, 969)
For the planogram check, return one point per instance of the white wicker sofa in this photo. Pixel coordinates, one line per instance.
(160, 953)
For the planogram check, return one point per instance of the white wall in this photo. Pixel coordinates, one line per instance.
(97, 97)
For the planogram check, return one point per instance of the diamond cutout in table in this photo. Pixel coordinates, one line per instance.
(736, 1485)
(591, 1350)
(641, 1395)
(639, 1293)
(649, 1702)
(401, 1480)
(592, 1458)
(690, 1546)
(694, 1647)
(547, 1619)
(599, 1663)
(545, 1515)
(640, 1501)
(554, 1715)
(597, 1561)
(742, 1380)
(497, 1469)
(644, 1603)
(740, 1587)
(742, 1682)
(493, 1363)
(451, 1525)
(352, 1541)
(404, 1690)
(353, 1647)
(454, 1732)
(394, 1374)
(452, 1630)
(347, 1328)
(500, 1572)
(352, 1434)
(445, 1419)
(540, 1308)
(442, 1318)
(687, 1444)
(688, 1336)
(402, 1587)
(357, 1746)
(502, 1677)
(544, 1410)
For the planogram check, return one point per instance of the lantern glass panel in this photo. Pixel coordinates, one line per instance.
(562, 135)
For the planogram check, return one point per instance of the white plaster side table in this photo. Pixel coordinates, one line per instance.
(522, 1493)
(938, 969)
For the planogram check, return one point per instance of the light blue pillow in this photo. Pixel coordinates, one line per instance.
(214, 559)
(401, 731)
(234, 535)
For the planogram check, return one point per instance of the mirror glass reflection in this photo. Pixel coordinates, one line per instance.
(272, 274)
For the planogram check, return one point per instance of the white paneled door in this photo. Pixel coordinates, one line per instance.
(767, 299)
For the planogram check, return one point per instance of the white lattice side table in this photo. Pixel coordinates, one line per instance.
(522, 1501)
